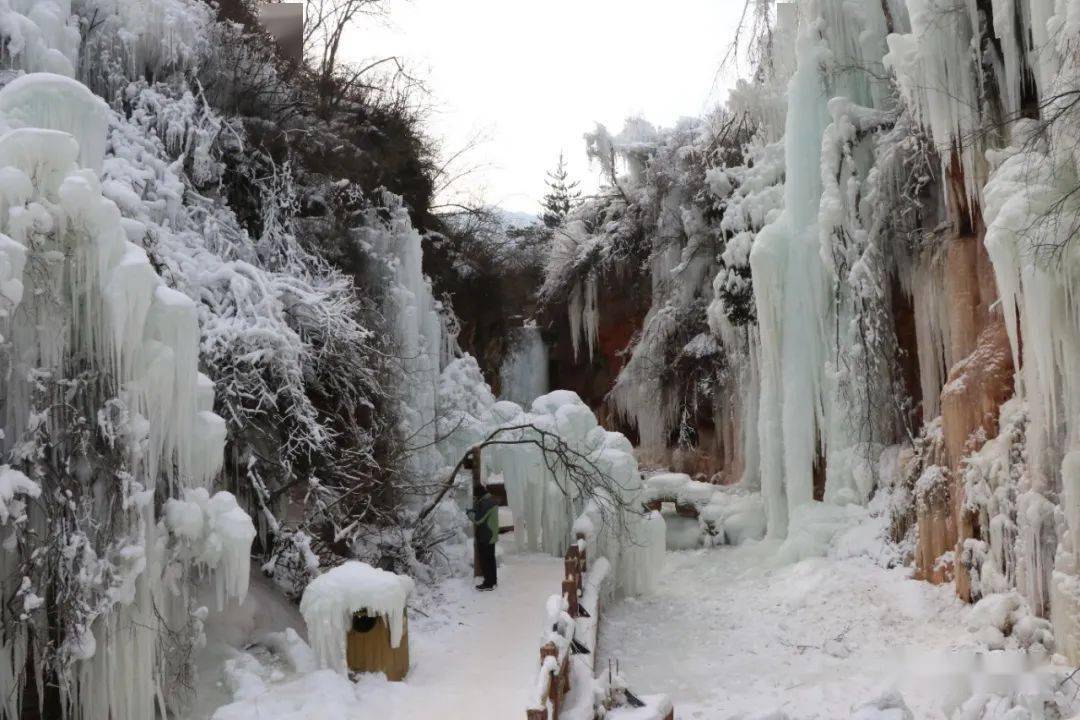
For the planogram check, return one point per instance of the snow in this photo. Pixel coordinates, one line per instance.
(729, 633)
(665, 485)
(94, 203)
(472, 655)
(331, 599)
(1004, 621)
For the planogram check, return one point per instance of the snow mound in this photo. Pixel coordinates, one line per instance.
(665, 485)
(813, 528)
(734, 518)
(331, 599)
(1003, 621)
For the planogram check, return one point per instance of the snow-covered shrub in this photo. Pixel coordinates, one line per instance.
(660, 223)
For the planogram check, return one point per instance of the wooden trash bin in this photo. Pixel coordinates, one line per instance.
(369, 649)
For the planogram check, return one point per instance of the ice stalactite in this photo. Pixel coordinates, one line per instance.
(419, 325)
(936, 74)
(1037, 270)
(1031, 219)
(792, 300)
(823, 317)
(40, 35)
(147, 39)
(584, 315)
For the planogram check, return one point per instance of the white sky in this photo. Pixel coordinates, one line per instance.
(532, 77)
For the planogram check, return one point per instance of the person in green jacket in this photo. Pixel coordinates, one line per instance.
(485, 517)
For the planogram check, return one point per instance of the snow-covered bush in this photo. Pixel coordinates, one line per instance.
(660, 222)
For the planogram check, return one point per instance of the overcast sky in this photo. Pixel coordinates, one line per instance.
(532, 77)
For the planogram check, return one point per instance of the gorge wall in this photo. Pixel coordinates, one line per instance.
(861, 279)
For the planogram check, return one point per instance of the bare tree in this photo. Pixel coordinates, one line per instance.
(571, 469)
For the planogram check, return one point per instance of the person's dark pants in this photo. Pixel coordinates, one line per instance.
(487, 564)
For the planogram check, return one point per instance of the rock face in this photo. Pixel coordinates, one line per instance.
(624, 303)
(976, 387)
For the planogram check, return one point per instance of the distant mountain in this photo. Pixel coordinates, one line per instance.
(517, 219)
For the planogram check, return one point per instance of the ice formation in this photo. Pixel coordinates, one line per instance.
(217, 533)
(983, 247)
(331, 599)
(94, 335)
(594, 489)
(524, 373)
(889, 273)
(423, 339)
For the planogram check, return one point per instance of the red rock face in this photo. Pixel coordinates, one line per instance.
(623, 305)
(976, 388)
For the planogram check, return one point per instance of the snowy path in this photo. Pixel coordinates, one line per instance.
(474, 657)
(727, 636)
(483, 661)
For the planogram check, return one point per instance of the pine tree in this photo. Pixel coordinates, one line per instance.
(562, 196)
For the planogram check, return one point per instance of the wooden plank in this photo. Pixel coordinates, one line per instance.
(371, 651)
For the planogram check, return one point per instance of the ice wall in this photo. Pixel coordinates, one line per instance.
(424, 343)
(802, 276)
(100, 363)
(82, 298)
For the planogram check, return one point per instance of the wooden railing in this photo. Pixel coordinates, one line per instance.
(553, 682)
(581, 591)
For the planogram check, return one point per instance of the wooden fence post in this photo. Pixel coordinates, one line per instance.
(571, 568)
(569, 588)
(582, 552)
